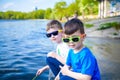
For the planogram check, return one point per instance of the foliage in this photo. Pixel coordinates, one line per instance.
(60, 10)
(104, 26)
(71, 9)
(115, 25)
(89, 25)
(87, 6)
(48, 13)
(115, 33)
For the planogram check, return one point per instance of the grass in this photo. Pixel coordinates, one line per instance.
(108, 25)
(89, 25)
(115, 33)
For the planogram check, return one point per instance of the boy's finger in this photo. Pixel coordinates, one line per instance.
(38, 73)
(60, 66)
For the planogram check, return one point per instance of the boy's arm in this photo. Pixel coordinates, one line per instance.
(42, 69)
(65, 71)
(79, 76)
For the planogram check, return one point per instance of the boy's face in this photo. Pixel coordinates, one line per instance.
(75, 41)
(55, 35)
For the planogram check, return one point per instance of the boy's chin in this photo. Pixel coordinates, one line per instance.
(72, 47)
(54, 41)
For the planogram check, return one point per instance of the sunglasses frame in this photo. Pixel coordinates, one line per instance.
(54, 33)
(71, 39)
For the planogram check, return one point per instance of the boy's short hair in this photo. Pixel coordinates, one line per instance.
(54, 24)
(73, 25)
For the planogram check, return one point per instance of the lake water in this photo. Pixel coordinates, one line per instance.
(23, 49)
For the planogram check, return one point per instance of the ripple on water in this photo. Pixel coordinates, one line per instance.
(18, 76)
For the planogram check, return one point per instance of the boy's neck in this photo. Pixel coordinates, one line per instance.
(59, 42)
(79, 49)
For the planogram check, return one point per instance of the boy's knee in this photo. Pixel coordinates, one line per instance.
(51, 54)
(50, 60)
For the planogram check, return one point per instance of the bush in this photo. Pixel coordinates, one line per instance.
(104, 26)
(115, 33)
(89, 25)
(115, 25)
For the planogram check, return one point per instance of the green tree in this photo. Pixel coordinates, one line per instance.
(87, 6)
(59, 10)
(8, 15)
(39, 14)
(1, 15)
(48, 13)
(72, 8)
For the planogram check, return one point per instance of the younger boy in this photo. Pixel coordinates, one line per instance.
(81, 64)
(58, 58)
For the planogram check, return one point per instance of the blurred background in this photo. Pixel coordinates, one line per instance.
(58, 9)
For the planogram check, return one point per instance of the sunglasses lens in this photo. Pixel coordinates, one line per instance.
(75, 39)
(66, 40)
(48, 35)
(53, 33)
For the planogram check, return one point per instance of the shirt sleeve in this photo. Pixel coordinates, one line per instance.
(88, 65)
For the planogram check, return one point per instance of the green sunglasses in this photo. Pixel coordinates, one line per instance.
(73, 39)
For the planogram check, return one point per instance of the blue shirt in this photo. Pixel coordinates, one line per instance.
(84, 62)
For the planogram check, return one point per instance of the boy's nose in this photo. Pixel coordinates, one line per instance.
(70, 41)
(52, 35)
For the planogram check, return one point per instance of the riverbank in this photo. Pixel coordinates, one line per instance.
(109, 33)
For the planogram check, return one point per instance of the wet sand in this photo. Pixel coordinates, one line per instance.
(106, 50)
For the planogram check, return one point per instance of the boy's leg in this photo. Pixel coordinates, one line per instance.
(62, 77)
(54, 65)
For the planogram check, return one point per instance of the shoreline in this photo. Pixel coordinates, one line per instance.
(107, 33)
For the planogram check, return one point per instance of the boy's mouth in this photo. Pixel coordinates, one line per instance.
(72, 45)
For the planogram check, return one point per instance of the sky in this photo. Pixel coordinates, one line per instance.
(28, 5)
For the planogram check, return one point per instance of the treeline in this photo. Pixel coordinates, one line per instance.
(60, 10)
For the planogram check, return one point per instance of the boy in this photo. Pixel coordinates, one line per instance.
(55, 59)
(81, 63)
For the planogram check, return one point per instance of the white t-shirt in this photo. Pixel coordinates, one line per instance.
(62, 50)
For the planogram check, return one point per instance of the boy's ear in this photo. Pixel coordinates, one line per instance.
(83, 35)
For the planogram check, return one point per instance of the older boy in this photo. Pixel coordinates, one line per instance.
(58, 58)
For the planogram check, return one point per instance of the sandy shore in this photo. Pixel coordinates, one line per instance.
(93, 32)
(108, 33)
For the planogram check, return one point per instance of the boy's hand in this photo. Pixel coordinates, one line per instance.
(39, 71)
(64, 70)
(57, 77)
